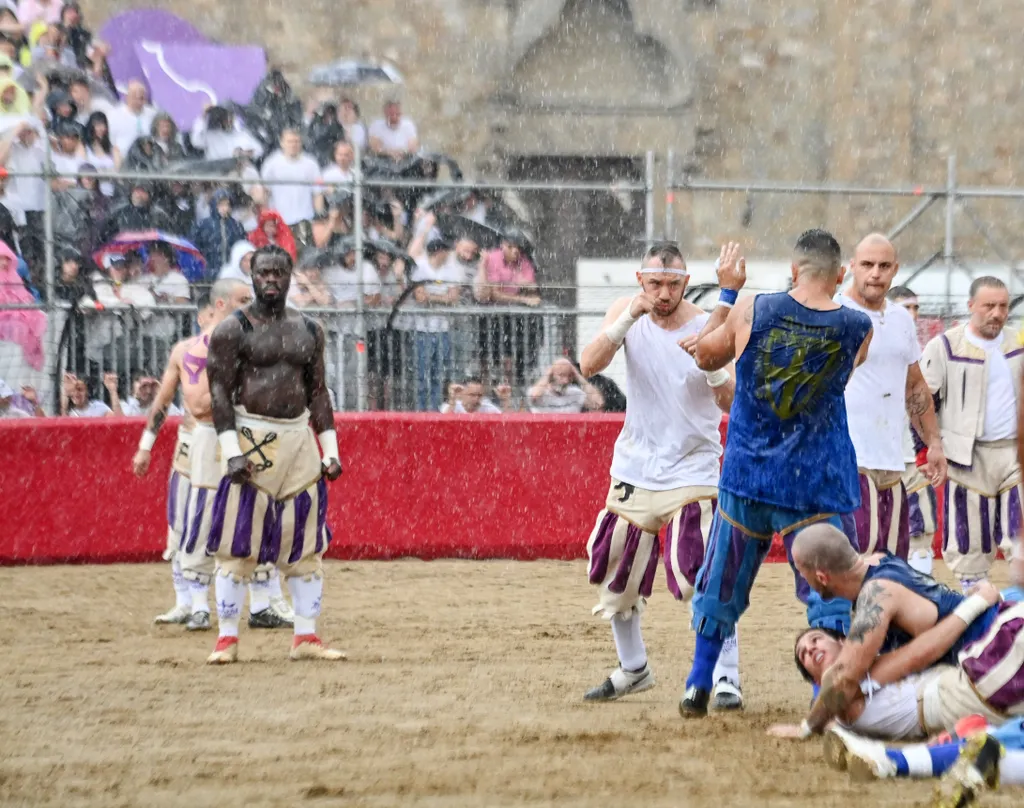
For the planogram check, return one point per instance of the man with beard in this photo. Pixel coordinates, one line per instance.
(665, 466)
(267, 387)
(974, 372)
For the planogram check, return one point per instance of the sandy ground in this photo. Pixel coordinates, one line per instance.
(463, 688)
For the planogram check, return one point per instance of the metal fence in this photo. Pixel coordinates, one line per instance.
(393, 353)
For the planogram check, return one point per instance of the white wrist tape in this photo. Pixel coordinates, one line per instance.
(147, 440)
(616, 332)
(716, 378)
(229, 445)
(805, 729)
(973, 607)
(329, 444)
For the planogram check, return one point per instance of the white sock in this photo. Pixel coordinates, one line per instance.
(628, 642)
(306, 596)
(728, 665)
(200, 596)
(919, 760)
(259, 596)
(921, 560)
(274, 585)
(1011, 768)
(230, 595)
(182, 596)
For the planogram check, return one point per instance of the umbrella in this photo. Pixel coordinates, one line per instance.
(190, 261)
(455, 226)
(196, 168)
(29, 79)
(445, 198)
(347, 73)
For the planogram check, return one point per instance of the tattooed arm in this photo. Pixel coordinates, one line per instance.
(921, 411)
(841, 683)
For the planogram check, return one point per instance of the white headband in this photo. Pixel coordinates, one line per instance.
(665, 270)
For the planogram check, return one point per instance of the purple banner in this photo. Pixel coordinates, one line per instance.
(124, 31)
(183, 79)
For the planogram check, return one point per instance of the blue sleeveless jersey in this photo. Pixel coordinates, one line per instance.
(891, 568)
(788, 443)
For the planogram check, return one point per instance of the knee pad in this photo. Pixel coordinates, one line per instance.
(197, 576)
(264, 573)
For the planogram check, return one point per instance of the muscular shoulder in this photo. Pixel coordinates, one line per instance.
(178, 351)
(228, 330)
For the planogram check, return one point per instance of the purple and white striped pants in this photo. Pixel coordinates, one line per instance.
(624, 547)
(994, 664)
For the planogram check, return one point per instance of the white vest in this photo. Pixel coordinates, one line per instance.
(891, 712)
(670, 438)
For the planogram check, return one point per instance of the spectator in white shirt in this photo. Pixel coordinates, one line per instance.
(170, 285)
(393, 135)
(7, 405)
(131, 119)
(75, 401)
(340, 170)
(22, 151)
(295, 202)
(220, 135)
(68, 154)
(85, 103)
(144, 390)
(562, 389)
(468, 398)
(348, 116)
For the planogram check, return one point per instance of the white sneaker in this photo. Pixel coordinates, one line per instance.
(179, 614)
(282, 608)
(621, 683)
(863, 758)
(726, 696)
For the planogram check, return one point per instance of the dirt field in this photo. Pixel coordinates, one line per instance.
(463, 688)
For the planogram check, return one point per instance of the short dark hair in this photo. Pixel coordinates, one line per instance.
(817, 252)
(162, 248)
(667, 252)
(831, 632)
(901, 293)
(473, 380)
(274, 251)
(984, 282)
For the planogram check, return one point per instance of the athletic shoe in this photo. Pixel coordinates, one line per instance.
(309, 646)
(621, 683)
(224, 652)
(283, 609)
(268, 619)
(177, 615)
(863, 758)
(976, 770)
(726, 696)
(198, 621)
(694, 703)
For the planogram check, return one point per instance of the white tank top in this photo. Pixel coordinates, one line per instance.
(891, 711)
(670, 438)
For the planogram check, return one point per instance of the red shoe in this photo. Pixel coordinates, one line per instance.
(225, 652)
(309, 646)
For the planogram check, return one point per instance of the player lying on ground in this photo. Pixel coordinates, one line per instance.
(894, 605)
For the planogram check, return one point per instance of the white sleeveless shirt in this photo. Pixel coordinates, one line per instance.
(891, 711)
(670, 438)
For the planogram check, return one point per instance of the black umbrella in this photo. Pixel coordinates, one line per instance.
(317, 258)
(455, 227)
(64, 74)
(443, 199)
(348, 73)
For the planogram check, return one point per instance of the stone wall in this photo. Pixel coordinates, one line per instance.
(876, 92)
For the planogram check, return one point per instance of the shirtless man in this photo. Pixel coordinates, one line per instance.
(268, 386)
(896, 604)
(191, 568)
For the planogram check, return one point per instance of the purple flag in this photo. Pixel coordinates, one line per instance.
(184, 78)
(125, 30)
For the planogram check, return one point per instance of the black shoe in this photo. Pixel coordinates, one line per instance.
(976, 770)
(694, 703)
(727, 696)
(198, 621)
(268, 619)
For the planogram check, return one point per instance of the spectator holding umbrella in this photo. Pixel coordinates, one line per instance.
(215, 235)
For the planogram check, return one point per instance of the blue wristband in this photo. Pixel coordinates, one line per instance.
(728, 297)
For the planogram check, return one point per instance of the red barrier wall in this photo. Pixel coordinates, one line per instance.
(430, 486)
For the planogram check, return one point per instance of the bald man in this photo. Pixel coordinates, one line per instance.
(896, 608)
(131, 119)
(881, 394)
(562, 389)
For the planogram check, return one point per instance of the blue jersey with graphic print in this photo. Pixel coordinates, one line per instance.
(788, 443)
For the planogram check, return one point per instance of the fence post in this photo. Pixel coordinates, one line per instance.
(48, 251)
(357, 205)
(947, 249)
(649, 199)
(670, 195)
